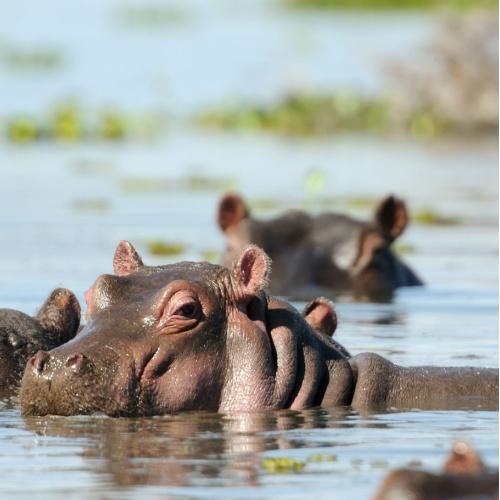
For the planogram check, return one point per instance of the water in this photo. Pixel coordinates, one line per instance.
(50, 238)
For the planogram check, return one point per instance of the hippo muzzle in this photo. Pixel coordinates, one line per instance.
(74, 379)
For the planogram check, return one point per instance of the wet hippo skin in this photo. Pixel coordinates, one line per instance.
(21, 336)
(326, 253)
(197, 336)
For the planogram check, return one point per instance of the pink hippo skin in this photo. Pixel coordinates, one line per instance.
(197, 336)
(323, 254)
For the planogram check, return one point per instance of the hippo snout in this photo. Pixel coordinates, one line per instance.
(45, 365)
(74, 379)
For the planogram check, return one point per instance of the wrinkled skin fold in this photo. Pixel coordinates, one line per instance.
(196, 336)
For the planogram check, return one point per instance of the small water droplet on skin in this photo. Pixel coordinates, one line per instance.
(148, 321)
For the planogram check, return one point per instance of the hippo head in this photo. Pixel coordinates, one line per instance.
(328, 250)
(21, 335)
(161, 339)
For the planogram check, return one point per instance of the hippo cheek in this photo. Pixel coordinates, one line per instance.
(172, 383)
(64, 382)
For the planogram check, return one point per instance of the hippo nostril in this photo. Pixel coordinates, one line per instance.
(39, 360)
(76, 362)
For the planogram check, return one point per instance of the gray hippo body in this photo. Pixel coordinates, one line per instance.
(197, 336)
(464, 476)
(21, 336)
(327, 253)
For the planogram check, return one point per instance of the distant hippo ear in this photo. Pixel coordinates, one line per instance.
(321, 316)
(463, 460)
(60, 315)
(126, 259)
(232, 210)
(251, 272)
(391, 217)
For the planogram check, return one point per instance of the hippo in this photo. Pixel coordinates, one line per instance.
(464, 476)
(321, 254)
(21, 336)
(198, 336)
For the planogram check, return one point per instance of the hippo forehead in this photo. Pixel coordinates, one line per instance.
(147, 281)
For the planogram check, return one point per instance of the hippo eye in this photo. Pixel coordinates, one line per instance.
(187, 310)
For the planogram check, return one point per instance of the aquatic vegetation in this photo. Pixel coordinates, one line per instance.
(159, 247)
(282, 465)
(428, 216)
(90, 205)
(449, 87)
(305, 114)
(190, 183)
(210, 255)
(391, 4)
(150, 16)
(322, 457)
(403, 248)
(30, 58)
(69, 122)
(269, 204)
(22, 130)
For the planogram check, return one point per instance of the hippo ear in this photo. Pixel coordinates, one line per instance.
(60, 315)
(251, 272)
(370, 242)
(321, 316)
(463, 460)
(232, 210)
(391, 217)
(126, 259)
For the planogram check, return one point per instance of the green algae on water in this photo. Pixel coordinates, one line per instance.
(159, 247)
(282, 465)
(428, 216)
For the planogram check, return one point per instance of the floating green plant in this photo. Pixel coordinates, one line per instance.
(159, 247)
(305, 114)
(322, 457)
(22, 130)
(90, 205)
(210, 255)
(189, 183)
(69, 122)
(30, 58)
(282, 465)
(147, 16)
(403, 248)
(428, 216)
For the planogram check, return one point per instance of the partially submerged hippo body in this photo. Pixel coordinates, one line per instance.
(464, 476)
(324, 253)
(21, 336)
(197, 336)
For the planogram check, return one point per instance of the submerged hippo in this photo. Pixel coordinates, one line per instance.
(197, 336)
(21, 336)
(326, 252)
(464, 476)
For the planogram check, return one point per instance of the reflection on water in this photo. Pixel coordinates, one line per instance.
(205, 454)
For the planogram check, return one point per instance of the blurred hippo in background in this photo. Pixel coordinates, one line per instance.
(464, 476)
(198, 336)
(21, 336)
(323, 254)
